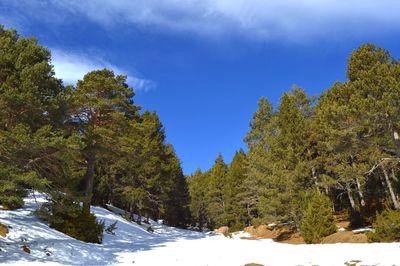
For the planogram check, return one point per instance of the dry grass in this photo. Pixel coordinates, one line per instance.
(345, 237)
(3, 230)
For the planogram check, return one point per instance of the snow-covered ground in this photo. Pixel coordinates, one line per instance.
(133, 245)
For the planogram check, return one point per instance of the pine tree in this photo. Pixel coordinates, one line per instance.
(318, 220)
(259, 140)
(259, 125)
(215, 193)
(101, 105)
(236, 212)
(176, 205)
(35, 152)
(198, 185)
(288, 176)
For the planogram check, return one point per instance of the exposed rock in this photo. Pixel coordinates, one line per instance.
(222, 230)
(253, 264)
(26, 249)
(3, 230)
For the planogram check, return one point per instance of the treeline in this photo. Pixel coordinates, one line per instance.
(81, 145)
(344, 144)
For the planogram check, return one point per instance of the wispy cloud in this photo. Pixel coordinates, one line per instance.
(257, 18)
(71, 67)
(262, 19)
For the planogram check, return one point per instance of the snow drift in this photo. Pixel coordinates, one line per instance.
(134, 245)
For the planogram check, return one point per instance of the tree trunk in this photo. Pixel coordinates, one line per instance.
(89, 181)
(327, 194)
(391, 191)
(352, 203)
(360, 193)
(396, 139)
(314, 175)
(139, 219)
(393, 174)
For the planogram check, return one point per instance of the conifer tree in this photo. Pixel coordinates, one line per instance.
(34, 152)
(101, 105)
(198, 205)
(176, 205)
(318, 220)
(259, 140)
(215, 192)
(288, 176)
(235, 204)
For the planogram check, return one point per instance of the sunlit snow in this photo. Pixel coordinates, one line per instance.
(133, 245)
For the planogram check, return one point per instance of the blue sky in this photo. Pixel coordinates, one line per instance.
(203, 64)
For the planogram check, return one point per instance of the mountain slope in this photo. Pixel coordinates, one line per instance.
(133, 245)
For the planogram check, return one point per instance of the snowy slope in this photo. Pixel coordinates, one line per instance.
(28, 230)
(133, 245)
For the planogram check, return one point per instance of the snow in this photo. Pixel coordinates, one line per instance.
(240, 234)
(133, 245)
(363, 230)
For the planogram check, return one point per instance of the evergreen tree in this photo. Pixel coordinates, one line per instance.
(176, 205)
(288, 176)
(198, 204)
(215, 193)
(35, 152)
(318, 220)
(259, 140)
(236, 212)
(101, 105)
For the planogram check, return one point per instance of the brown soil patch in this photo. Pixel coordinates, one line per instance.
(345, 237)
(343, 224)
(287, 234)
(3, 230)
(295, 239)
(342, 220)
(262, 231)
(253, 264)
(283, 234)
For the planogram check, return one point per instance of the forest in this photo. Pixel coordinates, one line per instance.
(88, 144)
(306, 159)
(311, 157)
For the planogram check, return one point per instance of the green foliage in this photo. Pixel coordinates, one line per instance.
(91, 144)
(111, 228)
(198, 205)
(386, 226)
(236, 205)
(11, 202)
(30, 96)
(71, 219)
(101, 107)
(84, 142)
(279, 162)
(215, 193)
(318, 220)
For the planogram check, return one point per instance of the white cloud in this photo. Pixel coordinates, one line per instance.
(71, 67)
(262, 19)
(257, 18)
